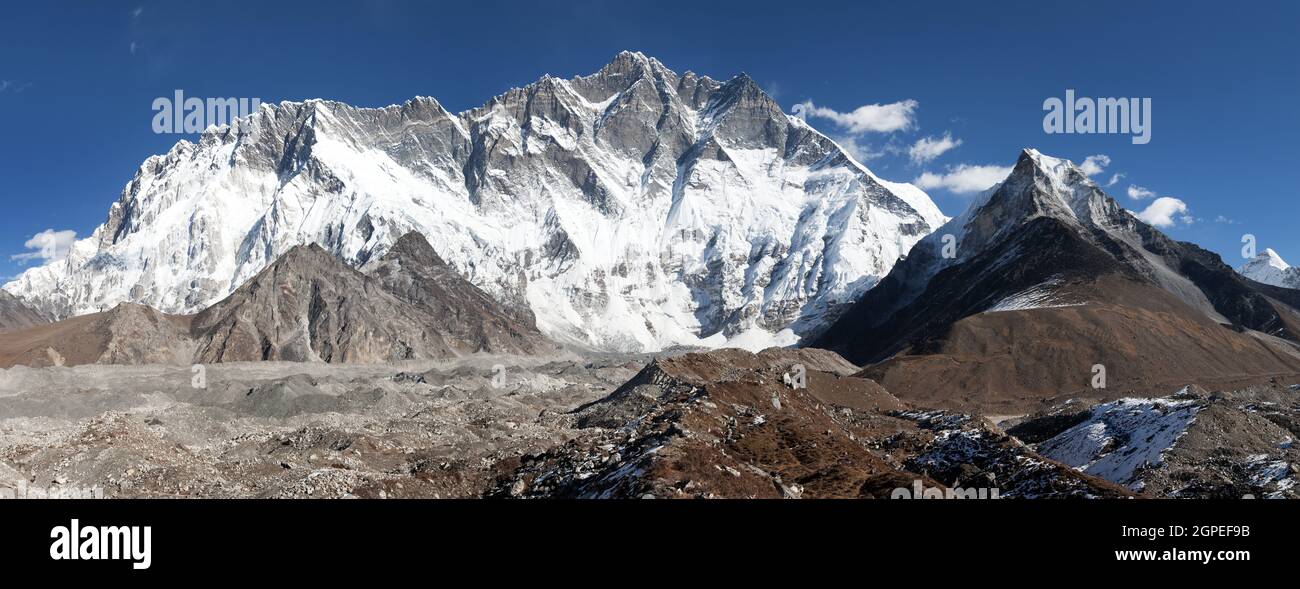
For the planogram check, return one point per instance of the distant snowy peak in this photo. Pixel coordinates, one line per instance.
(631, 209)
(1269, 268)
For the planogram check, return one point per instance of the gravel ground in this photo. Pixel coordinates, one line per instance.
(289, 429)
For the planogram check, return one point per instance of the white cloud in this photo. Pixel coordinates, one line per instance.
(1094, 164)
(1115, 179)
(964, 178)
(1165, 212)
(927, 148)
(868, 118)
(47, 246)
(1136, 192)
(137, 12)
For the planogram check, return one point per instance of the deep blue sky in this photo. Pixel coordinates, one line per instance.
(75, 99)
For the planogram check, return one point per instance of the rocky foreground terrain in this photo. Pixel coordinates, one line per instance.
(782, 423)
(720, 424)
(279, 429)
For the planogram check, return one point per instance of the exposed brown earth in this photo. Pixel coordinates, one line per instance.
(1020, 361)
(725, 424)
(126, 334)
(721, 424)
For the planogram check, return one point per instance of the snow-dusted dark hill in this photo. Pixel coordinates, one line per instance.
(1047, 278)
(631, 209)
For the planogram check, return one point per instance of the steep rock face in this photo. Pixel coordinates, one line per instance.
(309, 306)
(453, 307)
(15, 314)
(631, 209)
(1049, 277)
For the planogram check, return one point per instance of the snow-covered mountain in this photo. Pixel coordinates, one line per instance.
(631, 209)
(1044, 278)
(1270, 268)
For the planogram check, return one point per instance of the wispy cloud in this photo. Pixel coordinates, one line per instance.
(136, 13)
(964, 179)
(926, 149)
(1115, 179)
(47, 246)
(1136, 192)
(13, 87)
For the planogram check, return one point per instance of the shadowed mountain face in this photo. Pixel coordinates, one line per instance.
(453, 307)
(15, 314)
(1050, 277)
(308, 307)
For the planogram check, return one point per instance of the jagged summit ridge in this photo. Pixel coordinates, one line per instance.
(630, 209)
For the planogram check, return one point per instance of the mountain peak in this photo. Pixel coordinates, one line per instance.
(1274, 259)
(413, 246)
(521, 196)
(1062, 172)
(306, 251)
(632, 63)
(1268, 267)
